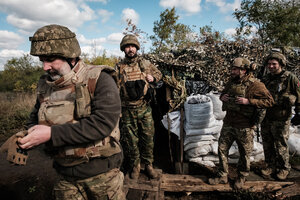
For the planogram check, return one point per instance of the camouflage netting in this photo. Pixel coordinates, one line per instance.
(211, 62)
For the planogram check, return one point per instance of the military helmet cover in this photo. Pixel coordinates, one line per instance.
(278, 56)
(242, 63)
(129, 39)
(54, 40)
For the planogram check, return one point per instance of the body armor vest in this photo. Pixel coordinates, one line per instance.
(133, 84)
(66, 101)
(239, 90)
(279, 88)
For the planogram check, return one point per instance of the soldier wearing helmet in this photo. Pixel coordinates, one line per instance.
(285, 89)
(73, 119)
(242, 97)
(137, 77)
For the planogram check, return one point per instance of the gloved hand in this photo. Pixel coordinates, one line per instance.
(296, 119)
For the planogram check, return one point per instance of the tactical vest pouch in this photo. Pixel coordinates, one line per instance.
(16, 154)
(135, 89)
(83, 101)
(56, 112)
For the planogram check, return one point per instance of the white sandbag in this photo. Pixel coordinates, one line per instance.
(197, 138)
(201, 162)
(198, 113)
(174, 122)
(257, 148)
(199, 151)
(196, 144)
(294, 144)
(259, 157)
(217, 106)
(204, 131)
(213, 158)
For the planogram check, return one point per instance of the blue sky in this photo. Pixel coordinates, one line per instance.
(99, 24)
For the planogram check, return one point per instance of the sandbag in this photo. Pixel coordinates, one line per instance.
(294, 144)
(202, 162)
(198, 138)
(199, 151)
(219, 114)
(174, 122)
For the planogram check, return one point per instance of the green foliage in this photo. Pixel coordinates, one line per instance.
(20, 75)
(102, 60)
(277, 21)
(168, 34)
(14, 112)
(208, 35)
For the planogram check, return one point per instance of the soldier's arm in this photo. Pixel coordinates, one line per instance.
(295, 90)
(260, 97)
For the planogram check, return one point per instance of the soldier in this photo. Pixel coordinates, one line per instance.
(76, 115)
(285, 89)
(136, 78)
(241, 98)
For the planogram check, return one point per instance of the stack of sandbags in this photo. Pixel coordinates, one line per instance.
(201, 127)
(294, 141)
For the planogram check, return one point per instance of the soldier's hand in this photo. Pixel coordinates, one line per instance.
(296, 119)
(224, 97)
(149, 78)
(36, 135)
(242, 100)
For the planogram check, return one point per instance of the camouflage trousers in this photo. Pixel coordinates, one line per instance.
(244, 140)
(137, 134)
(104, 186)
(275, 135)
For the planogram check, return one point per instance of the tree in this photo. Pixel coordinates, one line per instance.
(277, 21)
(20, 75)
(168, 34)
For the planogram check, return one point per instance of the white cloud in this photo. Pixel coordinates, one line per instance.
(189, 6)
(115, 38)
(225, 6)
(91, 42)
(130, 14)
(102, 1)
(9, 40)
(230, 32)
(105, 15)
(6, 54)
(29, 15)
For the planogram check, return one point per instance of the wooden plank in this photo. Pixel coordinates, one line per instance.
(289, 191)
(190, 183)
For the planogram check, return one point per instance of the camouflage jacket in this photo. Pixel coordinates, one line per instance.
(244, 116)
(285, 89)
(135, 70)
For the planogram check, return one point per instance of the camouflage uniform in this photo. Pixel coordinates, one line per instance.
(82, 108)
(285, 90)
(240, 120)
(137, 129)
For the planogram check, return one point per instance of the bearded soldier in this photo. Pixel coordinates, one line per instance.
(136, 78)
(285, 89)
(76, 115)
(242, 97)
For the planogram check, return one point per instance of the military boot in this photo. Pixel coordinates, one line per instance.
(267, 172)
(282, 174)
(135, 173)
(150, 171)
(218, 180)
(239, 182)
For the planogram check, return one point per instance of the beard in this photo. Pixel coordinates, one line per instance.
(131, 55)
(54, 75)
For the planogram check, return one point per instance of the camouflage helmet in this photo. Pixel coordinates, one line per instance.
(54, 40)
(129, 39)
(277, 56)
(242, 63)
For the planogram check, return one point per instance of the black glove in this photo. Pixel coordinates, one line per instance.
(296, 119)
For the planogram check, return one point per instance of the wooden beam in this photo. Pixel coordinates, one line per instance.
(190, 183)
